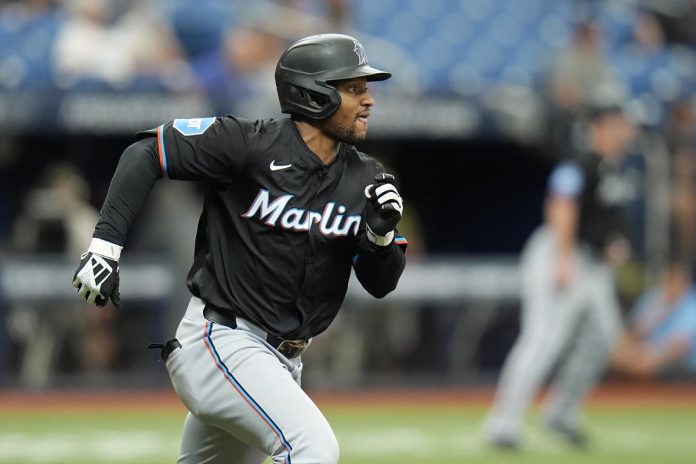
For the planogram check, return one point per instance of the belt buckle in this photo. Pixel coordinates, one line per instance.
(292, 348)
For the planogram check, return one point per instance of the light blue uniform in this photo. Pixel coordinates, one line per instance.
(677, 322)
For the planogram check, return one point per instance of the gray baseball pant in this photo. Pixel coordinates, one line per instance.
(583, 319)
(244, 398)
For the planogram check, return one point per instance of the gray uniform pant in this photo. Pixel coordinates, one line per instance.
(583, 318)
(244, 398)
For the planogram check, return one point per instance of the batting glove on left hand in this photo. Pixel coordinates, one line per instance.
(383, 209)
(96, 278)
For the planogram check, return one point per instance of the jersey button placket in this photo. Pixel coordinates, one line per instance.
(312, 232)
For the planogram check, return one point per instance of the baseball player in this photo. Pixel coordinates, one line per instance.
(290, 207)
(567, 284)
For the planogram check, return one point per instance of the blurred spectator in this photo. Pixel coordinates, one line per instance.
(293, 19)
(27, 32)
(239, 66)
(199, 25)
(335, 12)
(649, 65)
(576, 71)
(57, 218)
(661, 333)
(241, 69)
(117, 44)
(56, 214)
(648, 36)
(579, 68)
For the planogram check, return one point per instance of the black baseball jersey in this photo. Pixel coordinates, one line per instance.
(280, 230)
(602, 192)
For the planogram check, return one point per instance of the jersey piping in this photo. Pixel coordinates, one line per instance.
(162, 151)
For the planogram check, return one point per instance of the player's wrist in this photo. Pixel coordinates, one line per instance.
(105, 249)
(379, 240)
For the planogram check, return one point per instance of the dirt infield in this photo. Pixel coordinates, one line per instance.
(613, 395)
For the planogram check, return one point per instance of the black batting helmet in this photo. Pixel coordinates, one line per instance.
(306, 69)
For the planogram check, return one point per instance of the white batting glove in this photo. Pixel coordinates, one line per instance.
(96, 277)
(383, 209)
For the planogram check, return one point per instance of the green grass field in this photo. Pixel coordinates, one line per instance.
(368, 435)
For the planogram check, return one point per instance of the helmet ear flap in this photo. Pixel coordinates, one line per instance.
(298, 94)
(313, 104)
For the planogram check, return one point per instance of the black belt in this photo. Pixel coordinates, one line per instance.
(288, 348)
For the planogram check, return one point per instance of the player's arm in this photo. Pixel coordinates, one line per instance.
(209, 150)
(97, 278)
(643, 359)
(671, 352)
(562, 211)
(562, 217)
(379, 259)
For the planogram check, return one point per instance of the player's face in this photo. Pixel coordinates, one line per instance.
(349, 123)
(622, 130)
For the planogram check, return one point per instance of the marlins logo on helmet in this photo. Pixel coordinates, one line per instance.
(360, 51)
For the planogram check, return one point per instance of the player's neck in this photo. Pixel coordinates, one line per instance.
(324, 147)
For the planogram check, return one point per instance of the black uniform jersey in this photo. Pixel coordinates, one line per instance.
(602, 192)
(603, 202)
(280, 230)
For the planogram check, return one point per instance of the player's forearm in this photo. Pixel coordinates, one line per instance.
(562, 216)
(674, 350)
(379, 268)
(136, 173)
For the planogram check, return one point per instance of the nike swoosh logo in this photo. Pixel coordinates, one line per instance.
(278, 167)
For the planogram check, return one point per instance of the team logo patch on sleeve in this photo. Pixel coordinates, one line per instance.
(193, 126)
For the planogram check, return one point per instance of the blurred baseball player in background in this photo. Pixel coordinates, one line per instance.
(568, 295)
(290, 206)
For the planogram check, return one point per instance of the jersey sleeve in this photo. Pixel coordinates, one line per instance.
(566, 180)
(136, 173)
(210, 150)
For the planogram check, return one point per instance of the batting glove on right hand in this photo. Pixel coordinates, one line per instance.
(96, 277)
(383, 209)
